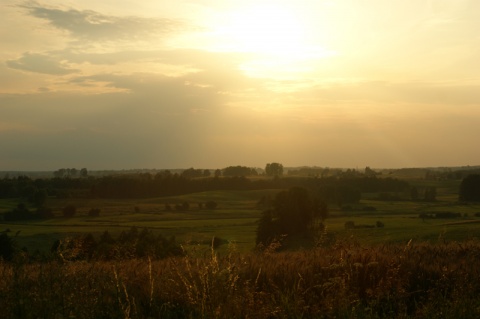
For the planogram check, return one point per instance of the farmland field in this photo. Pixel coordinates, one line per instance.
(398, 258)
(235, 219)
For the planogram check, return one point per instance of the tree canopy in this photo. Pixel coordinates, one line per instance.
(239, 171)
(293, 212)
(470, 188)
(274, 169)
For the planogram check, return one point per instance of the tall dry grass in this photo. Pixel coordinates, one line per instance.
(346, 280)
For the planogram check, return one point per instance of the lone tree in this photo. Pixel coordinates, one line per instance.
(274, 169)
(84, 172)
(293, 213)
(470, 188)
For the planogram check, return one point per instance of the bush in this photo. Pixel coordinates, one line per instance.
(349, 225)
(45, 213)
(94, 212)
(69, 211)
(293, 213)
(447, 215)
(470, 188)
(426, 216)
(217, 242)
(21, 212)
(211, 205)
(385, 196)
(7, 247)
(128, 245)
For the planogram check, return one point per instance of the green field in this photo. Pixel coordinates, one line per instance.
(235, 219)
(416, 266)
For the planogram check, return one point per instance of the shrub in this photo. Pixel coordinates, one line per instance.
(129, 244)
(211, 205)
(294, 214)
(470, 188)
(349, 225)
(45, 213)
(447, 215)
(21, 212)
(424, 216)
(94, 212)
(69, 210)
(217, 242)
(7, 247)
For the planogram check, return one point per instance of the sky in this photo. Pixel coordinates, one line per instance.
(125, 84)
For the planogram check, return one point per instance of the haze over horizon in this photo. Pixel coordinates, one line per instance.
(208, 84)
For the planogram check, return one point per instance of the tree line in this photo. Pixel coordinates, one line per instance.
(142, 185)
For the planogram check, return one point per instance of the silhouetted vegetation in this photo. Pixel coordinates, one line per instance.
(345, 280)
(69, 211)
(440, 215)
(293, 213)
(138, 273)
(470, 188)
(211, 205)
(239, 171)
(129, 244)
(342, 189)
(94, 212)
(7, 247)
(274, 169)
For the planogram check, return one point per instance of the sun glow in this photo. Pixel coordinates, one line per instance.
(275, 36)
(265, 29)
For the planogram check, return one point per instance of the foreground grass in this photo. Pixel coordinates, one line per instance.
(346, 280)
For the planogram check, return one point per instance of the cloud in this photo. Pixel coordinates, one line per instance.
(156, 124)
(200, 68)
(91, 25)
(388, 92)
(40, 63)
(166, 99)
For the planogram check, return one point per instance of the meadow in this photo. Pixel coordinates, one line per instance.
(235, 218)
(412, 267)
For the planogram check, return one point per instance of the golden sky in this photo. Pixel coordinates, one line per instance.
(208, 84)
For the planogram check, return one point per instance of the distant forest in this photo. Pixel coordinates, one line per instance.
(329, 185)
